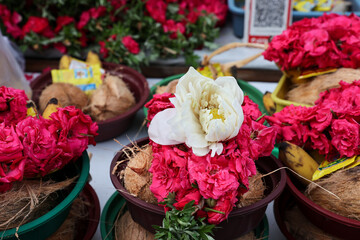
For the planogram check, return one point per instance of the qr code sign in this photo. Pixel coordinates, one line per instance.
(269, 13)
(265, 18)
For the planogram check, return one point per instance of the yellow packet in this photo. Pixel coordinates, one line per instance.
(87, 79)
(354, 164)
(304, 76)
(304, 5)
(206, 71)
(327, 167)
(324, 5)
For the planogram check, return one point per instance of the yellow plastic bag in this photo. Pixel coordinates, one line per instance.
(215, 70)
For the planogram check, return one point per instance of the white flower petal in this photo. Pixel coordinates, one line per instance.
(161, 132)
(216, 148)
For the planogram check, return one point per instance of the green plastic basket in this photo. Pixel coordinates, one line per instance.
(44, 226)
(116, 202)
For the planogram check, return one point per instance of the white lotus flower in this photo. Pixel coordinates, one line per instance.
(206, 112)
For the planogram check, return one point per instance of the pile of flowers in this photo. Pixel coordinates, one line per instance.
(128, 32)
(331, 126)
(331, 40)
(34, 146)
(205, 141)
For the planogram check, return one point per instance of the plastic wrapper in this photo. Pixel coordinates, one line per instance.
(10, 71)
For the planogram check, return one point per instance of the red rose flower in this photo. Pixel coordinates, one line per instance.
(35, 24)
(61, 47)
(130, 44)
(95, 13)
(84, 19)
(83, 39)
(158, 103)
(62, 21)
(157, 10)
(174, 27)
(12, 105)
(103, 50)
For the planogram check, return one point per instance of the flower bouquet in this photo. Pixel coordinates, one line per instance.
(127, 32)
(321, 144)
(315, 55)
(38, 156)
(201, 162)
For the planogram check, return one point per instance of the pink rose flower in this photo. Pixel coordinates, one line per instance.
(74, 129)
(10, 144)
(213, 178)
(40, 147)
(322, 119)
(10, 173)
(184, 197)
(158, 103)
(251, 109)
(345, 137)
(12, 159)
(12, 105)
(169, 170)
(225, 205)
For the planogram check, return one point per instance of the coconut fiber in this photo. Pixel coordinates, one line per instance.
(346, 185)
(28, 200)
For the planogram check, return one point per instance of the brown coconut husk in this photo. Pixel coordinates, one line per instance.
(169, 88)
(68, 230)
(137, 178)
(28, 200)
(302, 228)
(127, 229)
(309, 92)
(255, 193)
(111, 99)
(67, 94)
(345, 184)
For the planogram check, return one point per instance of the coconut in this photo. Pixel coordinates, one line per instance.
(345, 185)
(28, 200)
(309, 92)
(137, 178)
(67, 94)
(111, 99)
(169, 88)
(255, 193)
(302, 228)
(68, 230)
(126, 228)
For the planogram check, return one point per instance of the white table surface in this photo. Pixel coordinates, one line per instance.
(104, 152)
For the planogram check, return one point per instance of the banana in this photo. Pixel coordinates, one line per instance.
(93, 59)
(269, 103)
(65, 61)
(298, 160)
(31, 109)
(51, 107)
